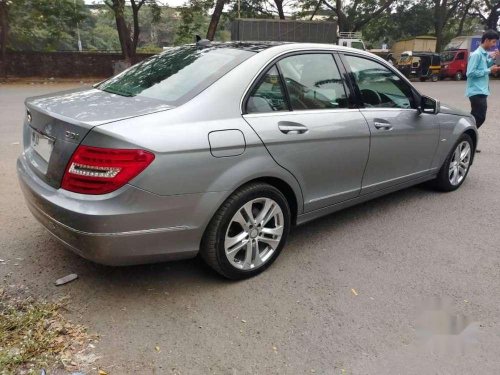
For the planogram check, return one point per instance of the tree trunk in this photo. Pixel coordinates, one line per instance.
(4, 25)
(439, 21)
(279, 6)
(492, 20)
(214, 21)
(118, 7)
(136, 7)
(464, 16)
(342, 21)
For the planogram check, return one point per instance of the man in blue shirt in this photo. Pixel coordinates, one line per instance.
(479, 67)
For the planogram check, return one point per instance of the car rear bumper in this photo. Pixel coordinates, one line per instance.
(128, 226)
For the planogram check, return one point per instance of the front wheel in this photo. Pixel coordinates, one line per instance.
(459, 76)
(248, 231)
(456, 166)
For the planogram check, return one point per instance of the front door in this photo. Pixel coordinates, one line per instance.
(304, 118)
(403, 140)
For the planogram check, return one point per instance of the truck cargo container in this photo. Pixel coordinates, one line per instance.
(300, 31)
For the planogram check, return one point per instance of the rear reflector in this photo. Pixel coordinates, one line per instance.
(94, 170)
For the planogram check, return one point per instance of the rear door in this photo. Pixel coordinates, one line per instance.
(301, 110)
(403, 140)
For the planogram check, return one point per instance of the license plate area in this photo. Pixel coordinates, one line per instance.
(42, 145)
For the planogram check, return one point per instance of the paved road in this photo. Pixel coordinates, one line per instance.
(400, 253)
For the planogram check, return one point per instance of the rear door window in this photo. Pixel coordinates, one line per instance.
(313, 81)
(268, 95)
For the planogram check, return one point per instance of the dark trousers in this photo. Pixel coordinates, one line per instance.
(479, 106)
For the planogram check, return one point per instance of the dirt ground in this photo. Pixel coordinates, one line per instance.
(405, 284)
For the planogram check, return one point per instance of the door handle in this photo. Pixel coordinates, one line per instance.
(382, 125)
(288, 127)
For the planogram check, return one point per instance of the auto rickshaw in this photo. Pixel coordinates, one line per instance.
(421, 65)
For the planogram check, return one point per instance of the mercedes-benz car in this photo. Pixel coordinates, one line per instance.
(220, 149)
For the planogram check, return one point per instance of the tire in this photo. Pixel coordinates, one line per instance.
(451, 178)
(423, 79)
(239, 251)
(434, 78)
(458, 76)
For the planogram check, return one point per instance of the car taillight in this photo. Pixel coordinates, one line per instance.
(95, 170)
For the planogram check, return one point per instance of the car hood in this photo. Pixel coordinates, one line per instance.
(93, 107)
(445, 108)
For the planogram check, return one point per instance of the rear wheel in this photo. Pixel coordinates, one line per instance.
(459, 76)
(434, 78)
(248, 231)
(456, 166)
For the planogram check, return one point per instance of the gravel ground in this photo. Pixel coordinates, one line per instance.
(405, 284)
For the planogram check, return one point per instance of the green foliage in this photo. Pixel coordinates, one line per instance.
(50, 25)
(47, 25)
(404, 21)
(194, 21)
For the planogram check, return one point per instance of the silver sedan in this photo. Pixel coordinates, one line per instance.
(220, 149)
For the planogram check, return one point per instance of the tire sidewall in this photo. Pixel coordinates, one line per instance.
(260, 191)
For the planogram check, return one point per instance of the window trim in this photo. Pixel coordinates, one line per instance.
(274, 61)
(416, 95)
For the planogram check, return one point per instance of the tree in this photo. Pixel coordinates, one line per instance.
(489, 13)
(443, 11)
(353, 17)
(212, 27)
(406, 19)
(194, 21)
(44, 25)
(129, 37)
(4, 29)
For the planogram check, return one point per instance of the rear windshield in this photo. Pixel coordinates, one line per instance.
(176, 75)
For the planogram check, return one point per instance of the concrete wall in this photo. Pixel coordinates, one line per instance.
(63, 64)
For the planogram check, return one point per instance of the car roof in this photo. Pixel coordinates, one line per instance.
(259, 46)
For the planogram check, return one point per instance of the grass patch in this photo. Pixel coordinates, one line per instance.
(34, 335)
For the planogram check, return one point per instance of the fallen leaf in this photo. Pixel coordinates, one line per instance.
(354, 292)
(102, 372)
(243, 321)
(157, 348)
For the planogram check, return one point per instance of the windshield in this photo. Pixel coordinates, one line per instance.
(176, 75)
(405, 59)
(358, 45)
(447, 56)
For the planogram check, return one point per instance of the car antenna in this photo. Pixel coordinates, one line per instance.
(202, 42)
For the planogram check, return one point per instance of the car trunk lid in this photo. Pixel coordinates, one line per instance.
(56, 124)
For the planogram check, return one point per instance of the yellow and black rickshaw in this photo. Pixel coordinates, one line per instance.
(421, 65)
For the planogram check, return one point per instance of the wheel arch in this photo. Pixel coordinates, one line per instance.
(473, 134)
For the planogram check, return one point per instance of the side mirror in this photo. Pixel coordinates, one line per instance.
(429, 105)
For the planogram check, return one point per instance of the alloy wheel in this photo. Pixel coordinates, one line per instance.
(460, 162)
(254, 234)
